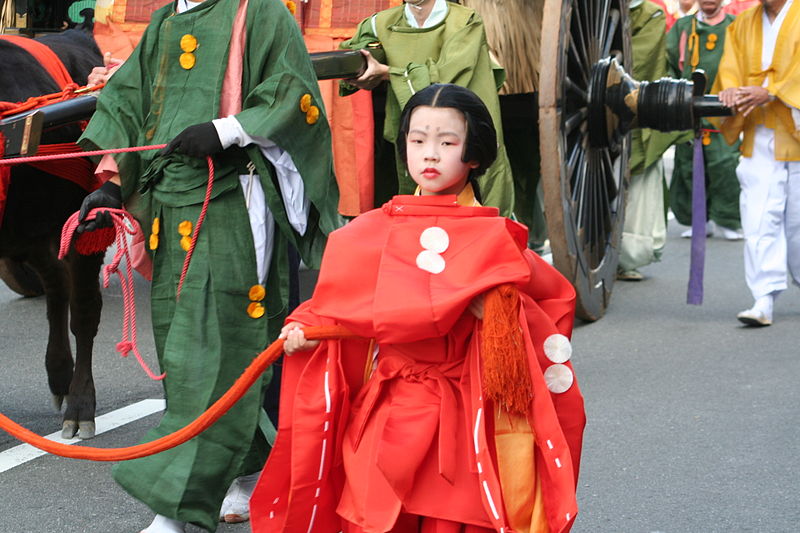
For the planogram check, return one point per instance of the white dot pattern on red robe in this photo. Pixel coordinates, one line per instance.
(435, 241)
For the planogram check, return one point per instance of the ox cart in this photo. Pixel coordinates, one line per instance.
(587, 105)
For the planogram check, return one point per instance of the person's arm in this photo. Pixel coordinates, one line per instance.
(456, 63)
(290, 182)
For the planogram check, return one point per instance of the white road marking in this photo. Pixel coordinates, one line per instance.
(25, 452)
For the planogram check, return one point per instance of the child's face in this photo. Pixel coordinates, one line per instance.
(434, 148)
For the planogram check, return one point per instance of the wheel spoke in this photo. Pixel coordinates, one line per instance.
(602, 24)
(608, 39)
(578, 190)
(582, 39)
(579, 64)
(574, 88)
(612, 187)
(575, 120)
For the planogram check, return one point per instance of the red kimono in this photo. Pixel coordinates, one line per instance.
(376, 433)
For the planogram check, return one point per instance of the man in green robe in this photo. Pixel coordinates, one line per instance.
(644, 232)
(231, 79)
(426, 42)
(696, 42)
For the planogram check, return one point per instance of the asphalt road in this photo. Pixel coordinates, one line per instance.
(692, 420)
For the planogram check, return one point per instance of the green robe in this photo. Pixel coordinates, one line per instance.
(205, 339)
(453, 51)
(722, 185)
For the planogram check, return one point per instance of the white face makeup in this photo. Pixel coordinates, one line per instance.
(434, 148)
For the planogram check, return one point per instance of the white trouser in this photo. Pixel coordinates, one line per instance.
(770, 210)
(262, 223)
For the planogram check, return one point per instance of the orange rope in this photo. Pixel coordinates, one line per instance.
(203, 422)
(70, 91)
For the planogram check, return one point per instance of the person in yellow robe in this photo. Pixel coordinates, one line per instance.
(759, 77)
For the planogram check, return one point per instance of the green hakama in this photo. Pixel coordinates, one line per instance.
(224, 316)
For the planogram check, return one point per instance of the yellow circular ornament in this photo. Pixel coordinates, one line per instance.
(255, 310)
(305, 103)
(291, 6)
(156, 226)
(712, 37)
(185, 228)
(153, 241)
(706, 140)
(257, 293)
(188, 43)
(187, 60)
(312, 115)
(186, 243)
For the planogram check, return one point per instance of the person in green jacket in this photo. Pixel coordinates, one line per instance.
(229, 79)
(644, 232)
(426, 42)
(696, 42)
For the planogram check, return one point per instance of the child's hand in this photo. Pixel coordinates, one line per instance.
(295, 339)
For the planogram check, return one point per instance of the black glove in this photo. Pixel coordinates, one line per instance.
(108, 195)
(199, 140)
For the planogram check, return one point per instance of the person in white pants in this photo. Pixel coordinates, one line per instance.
(770, 210)
(762, 85)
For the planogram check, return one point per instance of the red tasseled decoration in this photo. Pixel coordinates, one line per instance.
(92, 242)
(506, 375)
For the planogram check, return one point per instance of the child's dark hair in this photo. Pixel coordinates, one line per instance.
(481, 142)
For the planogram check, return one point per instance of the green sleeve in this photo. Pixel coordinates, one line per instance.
(456, 64)
(363, 37)
(281, 72)
(121, 108)
(673, 51)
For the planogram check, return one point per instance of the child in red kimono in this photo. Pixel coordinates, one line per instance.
(458, 411)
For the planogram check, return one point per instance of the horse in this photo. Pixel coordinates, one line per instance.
(37, 205)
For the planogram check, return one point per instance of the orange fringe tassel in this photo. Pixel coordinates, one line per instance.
(506, 376)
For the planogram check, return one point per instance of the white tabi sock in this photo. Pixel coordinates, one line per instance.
(162, 524)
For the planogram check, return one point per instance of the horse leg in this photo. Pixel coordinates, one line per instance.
(85, 305)
(58, 357)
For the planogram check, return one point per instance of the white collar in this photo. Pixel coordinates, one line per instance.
(186, 5)
(438, 13)
(779, 18)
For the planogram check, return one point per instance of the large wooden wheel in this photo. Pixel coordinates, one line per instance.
(584, 186)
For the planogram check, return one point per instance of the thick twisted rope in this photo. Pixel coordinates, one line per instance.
(201, 423)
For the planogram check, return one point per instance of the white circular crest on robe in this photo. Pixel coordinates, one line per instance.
(558, 378)
(435, 239)
(430, 262)
(557, 348)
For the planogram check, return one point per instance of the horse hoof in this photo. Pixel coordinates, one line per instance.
(58, 401)
(86, 429)
(69, 429)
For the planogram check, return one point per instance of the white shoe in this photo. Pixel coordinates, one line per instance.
(162, 524)
(731, 234)
(236, 505)
(754, 318)
(760, 314)
(709, 230)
